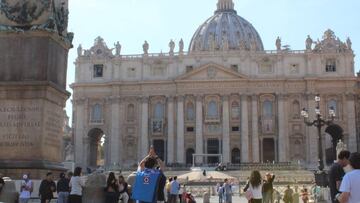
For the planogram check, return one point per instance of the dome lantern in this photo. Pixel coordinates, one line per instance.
(225, 5)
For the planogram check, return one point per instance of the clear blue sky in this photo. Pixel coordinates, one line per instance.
(132, 21)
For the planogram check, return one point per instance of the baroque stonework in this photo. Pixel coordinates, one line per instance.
(237, 110)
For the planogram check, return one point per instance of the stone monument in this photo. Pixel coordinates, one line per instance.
(34, 45)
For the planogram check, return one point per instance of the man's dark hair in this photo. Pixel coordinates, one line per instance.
(48, 173)
(170, 179)
(355, 160)
(344, 155)
(77, 171)
(175, 177)
(150, 162)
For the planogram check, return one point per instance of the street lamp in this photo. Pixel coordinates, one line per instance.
(319, 122)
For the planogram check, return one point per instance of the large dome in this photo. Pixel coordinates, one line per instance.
(225, 30)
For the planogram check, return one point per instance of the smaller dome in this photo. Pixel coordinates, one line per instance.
(225, 30)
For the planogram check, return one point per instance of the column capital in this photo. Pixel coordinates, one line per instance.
(310, 96)
(199, 97)
(254, 97)
(244, 96)
(144, 99)
(180, 98)
(281, 96)
(225, 97)
(350, 96)
(170, 98)
(79, 101)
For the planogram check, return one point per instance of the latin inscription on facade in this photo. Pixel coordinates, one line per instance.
(19, 124)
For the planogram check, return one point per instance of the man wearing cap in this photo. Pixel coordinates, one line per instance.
(267, 189)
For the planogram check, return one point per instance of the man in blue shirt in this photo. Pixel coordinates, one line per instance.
(174, 190)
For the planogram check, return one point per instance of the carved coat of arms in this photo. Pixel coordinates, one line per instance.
(23, 12)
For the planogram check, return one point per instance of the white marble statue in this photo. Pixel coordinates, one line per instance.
(117, 48)
(348, 43)
(79, 50)
(278, 44)
(308, 43)
(171, 46)
(181, 46)
(340, 147)
(146, 47)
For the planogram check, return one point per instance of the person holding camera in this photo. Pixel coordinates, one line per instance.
(26, 189)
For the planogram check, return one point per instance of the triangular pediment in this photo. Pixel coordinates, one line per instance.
(211, 71)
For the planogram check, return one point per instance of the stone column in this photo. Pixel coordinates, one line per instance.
(350, 107)
(144, 127)
(199, 128)
(312, 135)
(180, 129)
(79, 132)
(225, 129)
(115, 134)
(244, 129)
(283, 132)
(255, 131)
(170, 129)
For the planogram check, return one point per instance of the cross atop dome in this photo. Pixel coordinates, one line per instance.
(225, 5)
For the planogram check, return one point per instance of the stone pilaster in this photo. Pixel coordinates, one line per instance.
(180, 130)
(283, 132)
(225, 129)
(244, 129)
(144, 126)
(115, 133)
(79, 131)
(351, 127)
(199, 128)
(170, 129)
(255, 130)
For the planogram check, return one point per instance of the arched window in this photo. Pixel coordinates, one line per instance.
(96, 114)
(235, 156)
(235, 110)
(159, 111)
(212, 111)
(332, 103)
(190, 111)
(131, 112)
(267, 108)
(296, 109)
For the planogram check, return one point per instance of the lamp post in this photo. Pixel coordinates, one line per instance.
(319, 122)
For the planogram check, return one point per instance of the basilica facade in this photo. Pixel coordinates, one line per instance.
(226, 95)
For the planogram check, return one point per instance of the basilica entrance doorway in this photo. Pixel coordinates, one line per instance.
(336, 133)
(159, 146)
(189, 156)
(213, 147)
(235, 156)
(268, 150)
(96, 147)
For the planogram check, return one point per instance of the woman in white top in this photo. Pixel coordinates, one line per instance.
(76, 186)
(255, 187)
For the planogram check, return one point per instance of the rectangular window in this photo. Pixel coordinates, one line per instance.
(330, 65)
(189, 69)
(235, 128)
(235, 68)
(189, 129)
(98, 70)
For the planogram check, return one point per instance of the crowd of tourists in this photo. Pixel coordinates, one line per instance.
(151, 185)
